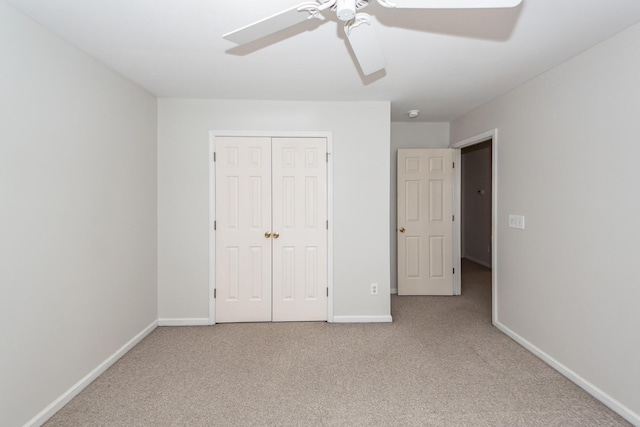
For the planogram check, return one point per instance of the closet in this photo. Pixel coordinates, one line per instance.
(271, 229)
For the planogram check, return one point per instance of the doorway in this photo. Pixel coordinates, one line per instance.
(475, 221)
(475, 200)
(476, 204)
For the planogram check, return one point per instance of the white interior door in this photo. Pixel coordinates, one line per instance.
(425, 222)
(243, 216)
(300, 229)
(271, 229)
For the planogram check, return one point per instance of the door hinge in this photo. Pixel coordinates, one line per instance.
(453, 218)
(214, 156)
(327, 224)
(215, 225)
(214, 293)
(327, 291)
(327, 157)
(454, 271)
(453, 165)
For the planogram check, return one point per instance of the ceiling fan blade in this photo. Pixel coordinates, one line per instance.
(365, 44)
(448, 4)
(274, 23)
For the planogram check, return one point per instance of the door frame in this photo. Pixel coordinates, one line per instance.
(457, 236)
(213, 134)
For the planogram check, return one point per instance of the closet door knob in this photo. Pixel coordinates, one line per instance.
(276, 235)
(267, 234)
(402, 230)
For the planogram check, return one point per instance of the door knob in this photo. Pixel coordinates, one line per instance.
(402, 230)
(276, 235)
(267, 234)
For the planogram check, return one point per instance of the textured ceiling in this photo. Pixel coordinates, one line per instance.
(442, 62)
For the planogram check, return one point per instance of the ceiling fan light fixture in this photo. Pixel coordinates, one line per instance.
(346, 9)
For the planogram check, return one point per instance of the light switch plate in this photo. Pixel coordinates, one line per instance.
(516, 221)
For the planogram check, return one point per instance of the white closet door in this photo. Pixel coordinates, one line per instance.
(243, 216)
(425, 222)
(300, 221)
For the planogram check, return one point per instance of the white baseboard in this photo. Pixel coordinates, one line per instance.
(362, 319)
(477, 261)
(66, 397)
(204, 321)
(394, 291)
(594, 391)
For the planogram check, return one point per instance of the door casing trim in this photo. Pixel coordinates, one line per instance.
(213, 134)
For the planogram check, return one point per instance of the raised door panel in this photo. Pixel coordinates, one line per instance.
(243, 215)
(299, 188)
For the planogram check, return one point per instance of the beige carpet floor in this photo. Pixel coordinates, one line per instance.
(440, 363)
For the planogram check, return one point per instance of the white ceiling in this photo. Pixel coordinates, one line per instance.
(442, 62)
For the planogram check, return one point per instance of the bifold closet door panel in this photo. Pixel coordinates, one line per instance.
(243, 216)
(299, 205)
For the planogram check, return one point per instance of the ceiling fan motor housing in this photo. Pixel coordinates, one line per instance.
(346, 9)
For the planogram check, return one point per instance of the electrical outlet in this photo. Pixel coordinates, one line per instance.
(374, 289)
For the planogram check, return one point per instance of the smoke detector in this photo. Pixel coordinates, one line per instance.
(413, 113)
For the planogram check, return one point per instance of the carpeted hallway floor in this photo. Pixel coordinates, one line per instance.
(440, 363)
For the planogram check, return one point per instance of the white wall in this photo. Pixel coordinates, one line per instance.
(568, 161)
(476, 203)
(361, 195)
(77, 209)
(409, 135)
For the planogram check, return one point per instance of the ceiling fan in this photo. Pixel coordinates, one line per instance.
(357, 27)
